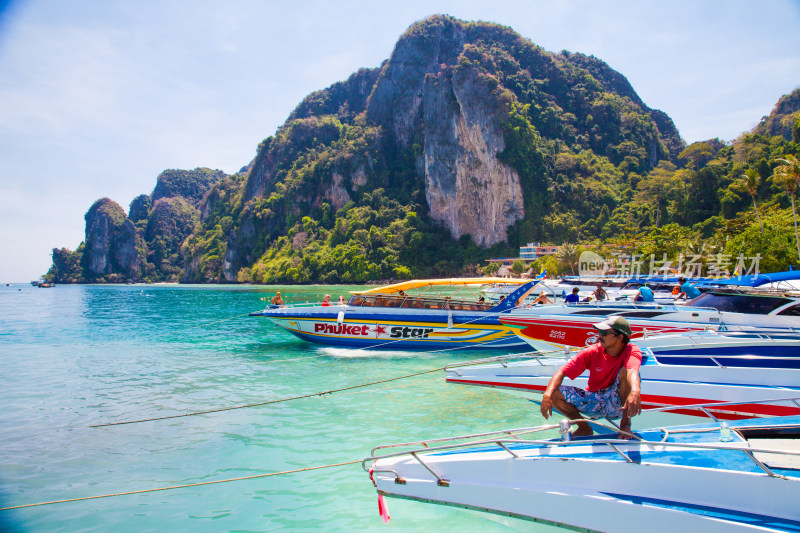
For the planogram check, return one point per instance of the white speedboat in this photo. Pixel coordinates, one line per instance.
(712, 477)
(571, 325)
(679, 369)
(417, 314)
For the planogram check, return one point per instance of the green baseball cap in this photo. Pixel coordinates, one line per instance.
(617, 323)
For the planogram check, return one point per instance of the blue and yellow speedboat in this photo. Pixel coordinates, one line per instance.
(417, 314)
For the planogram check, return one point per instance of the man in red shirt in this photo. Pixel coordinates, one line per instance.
(613, 390)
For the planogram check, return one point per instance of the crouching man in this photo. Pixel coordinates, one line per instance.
(613, 390)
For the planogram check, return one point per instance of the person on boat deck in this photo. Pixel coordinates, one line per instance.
(326, 300)
(645, 294)
(277, 300)
(688, 290)
(572, 298)
(600, 293)
(541, 299)
(613, 390)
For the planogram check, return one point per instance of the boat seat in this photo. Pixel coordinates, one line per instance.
(776, 460)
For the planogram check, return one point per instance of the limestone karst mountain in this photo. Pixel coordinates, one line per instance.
(468, 141)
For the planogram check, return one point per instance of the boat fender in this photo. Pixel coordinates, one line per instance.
(449, 319)
(383, 511)
(340, 317)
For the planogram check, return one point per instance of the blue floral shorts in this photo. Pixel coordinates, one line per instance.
(605, 403)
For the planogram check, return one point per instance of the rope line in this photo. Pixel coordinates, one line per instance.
(217, 321)
(281, 400)
(199, 484)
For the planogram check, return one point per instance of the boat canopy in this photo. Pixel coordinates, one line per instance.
(449, 282)
(756, 280)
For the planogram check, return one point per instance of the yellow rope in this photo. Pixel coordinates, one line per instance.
(322, 393)
(143, 491)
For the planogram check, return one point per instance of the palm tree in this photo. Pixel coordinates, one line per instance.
(751, 180)
(787, 176)
(568, 253)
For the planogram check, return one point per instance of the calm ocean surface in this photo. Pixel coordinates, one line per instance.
(73, 356)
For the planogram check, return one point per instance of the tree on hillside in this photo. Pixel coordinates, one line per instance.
(698, 154)
(569, 254)
(787, 176)
(658, 188)
(491, 269)
(751, 180)
(772, 243)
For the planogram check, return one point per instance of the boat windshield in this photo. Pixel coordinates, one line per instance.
(739, 303)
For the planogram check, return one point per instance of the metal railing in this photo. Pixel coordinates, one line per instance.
(505, 439)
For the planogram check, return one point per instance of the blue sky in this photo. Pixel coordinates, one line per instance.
(97, 98)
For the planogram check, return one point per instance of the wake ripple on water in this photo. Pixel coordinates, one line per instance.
(356, 353)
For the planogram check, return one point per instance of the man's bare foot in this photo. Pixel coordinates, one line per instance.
(625, 431)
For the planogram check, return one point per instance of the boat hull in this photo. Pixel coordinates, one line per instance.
(573, 326)
(590, 485)
(678, 370)
(395, 328)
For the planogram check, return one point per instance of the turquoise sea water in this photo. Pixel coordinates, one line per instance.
(74, 356)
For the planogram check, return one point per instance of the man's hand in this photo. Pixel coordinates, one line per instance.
(633, 404)
(547, 397)
(547, 406)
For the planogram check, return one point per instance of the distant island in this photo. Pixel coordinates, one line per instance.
(467, 143)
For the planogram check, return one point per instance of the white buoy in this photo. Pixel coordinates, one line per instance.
(340, 317)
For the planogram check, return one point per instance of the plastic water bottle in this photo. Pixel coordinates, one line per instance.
(725, 433)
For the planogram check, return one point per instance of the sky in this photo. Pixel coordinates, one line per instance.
(98, 98)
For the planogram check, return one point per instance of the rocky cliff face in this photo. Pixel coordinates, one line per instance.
(424, 91)
(191, 185)
(467, 188)
(784, 119)
(146, 245)
(110, 240)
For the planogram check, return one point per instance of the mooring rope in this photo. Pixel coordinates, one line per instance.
(217, 321)
(281, 400)
(199, 484)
